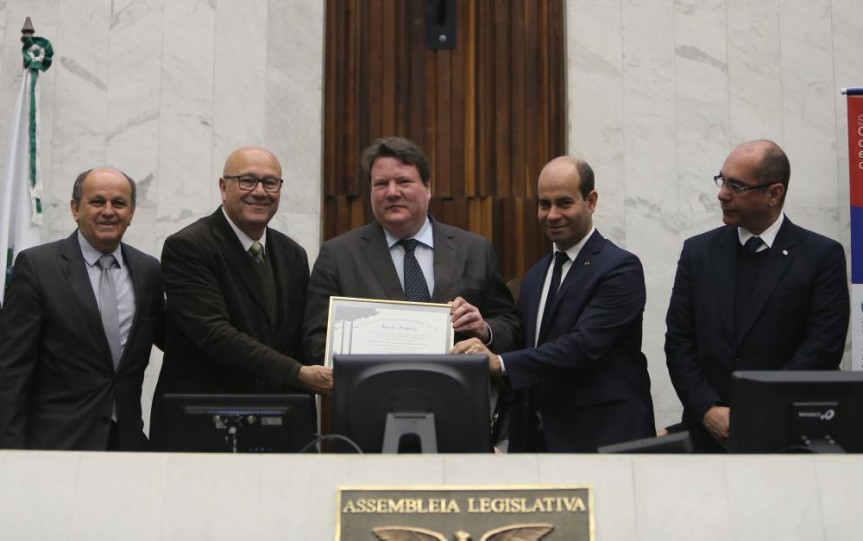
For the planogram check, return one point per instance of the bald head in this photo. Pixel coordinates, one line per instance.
(243, 156)
(248, 204)
(569, 165)
(769, 164)
(566, 200)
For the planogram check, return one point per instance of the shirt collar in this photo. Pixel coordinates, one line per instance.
(245, 240)
(92, 255)
(573, 251)
(768, 235)
(424, 236)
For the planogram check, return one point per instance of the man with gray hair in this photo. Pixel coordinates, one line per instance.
(80, 319)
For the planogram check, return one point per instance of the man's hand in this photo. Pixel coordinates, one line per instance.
(716, 421)
(318, 379)
(473, 345)
(467, 319)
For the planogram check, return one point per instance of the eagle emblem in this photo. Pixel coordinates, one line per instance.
(513, 532)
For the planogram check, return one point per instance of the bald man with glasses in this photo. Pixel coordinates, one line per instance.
(759, 293)
(236, 290)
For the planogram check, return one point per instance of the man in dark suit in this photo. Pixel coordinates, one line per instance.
(582, 378)
(758, 293)
(236, 291)
(371, 261)
(80, 319)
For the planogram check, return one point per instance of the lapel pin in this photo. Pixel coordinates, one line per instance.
(784, 252)
(587, 263)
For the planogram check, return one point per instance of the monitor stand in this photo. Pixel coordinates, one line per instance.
(410, 432)
(825, 445)
(234, 425)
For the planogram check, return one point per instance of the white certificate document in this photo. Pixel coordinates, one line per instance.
(369, 326)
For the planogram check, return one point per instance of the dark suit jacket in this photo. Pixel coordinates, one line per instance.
(589, 376)
(57, 378)
(220, 339)
(358, 264)
(797, 320)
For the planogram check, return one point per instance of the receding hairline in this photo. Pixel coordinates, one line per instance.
(762, 146)
(245, 152)
(565, 164)
(78, 185)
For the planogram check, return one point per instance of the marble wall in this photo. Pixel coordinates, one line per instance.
(659, 91)
(165, 90)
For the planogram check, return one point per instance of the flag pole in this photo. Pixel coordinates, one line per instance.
(27, 31)
(20, 182)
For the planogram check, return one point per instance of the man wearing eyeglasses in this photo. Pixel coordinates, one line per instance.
(759, 293)
(236, 291)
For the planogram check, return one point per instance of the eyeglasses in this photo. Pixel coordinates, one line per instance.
(247, 183)
(738, 187)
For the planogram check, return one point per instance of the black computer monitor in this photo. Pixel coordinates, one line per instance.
(238, 423)
(413, 403)
(796, 411)
(677, 442)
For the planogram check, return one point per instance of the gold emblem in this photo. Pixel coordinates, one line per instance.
(513, 532)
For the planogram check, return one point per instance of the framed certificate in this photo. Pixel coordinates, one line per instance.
(369, 326)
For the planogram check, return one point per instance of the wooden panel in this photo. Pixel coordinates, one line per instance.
(488, 114)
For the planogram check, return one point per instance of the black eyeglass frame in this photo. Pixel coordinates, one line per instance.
(273, 187)
(737, 187)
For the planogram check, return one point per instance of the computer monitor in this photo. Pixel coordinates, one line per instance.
(675, 443)
(238, 423)
(796, 411)
(413, 403)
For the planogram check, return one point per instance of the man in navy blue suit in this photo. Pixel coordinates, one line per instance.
(758, 293)
(581, 380)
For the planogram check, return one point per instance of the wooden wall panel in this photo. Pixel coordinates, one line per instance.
(488, 114)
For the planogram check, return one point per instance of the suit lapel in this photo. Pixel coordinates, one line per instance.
(74, 269)
(239, 262)
(579, 273)
(724, 263)
(132, 264)
(279, 259)
(377, 255)
(445, 258)
(779, 257)
(531, 291)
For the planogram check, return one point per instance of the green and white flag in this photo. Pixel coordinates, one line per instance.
(20, 185)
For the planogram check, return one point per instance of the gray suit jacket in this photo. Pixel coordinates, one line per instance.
(358, 264)
(57, 379)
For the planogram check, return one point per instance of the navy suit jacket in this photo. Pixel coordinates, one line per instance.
(589, 376)
(220, 338)
(797, 320)
(58, 384)
(358, 264)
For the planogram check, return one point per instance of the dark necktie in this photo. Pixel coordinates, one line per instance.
(257, 252)
(108, 306)
(559, 259)
(268, 281)
(416, 287)
(753, 244)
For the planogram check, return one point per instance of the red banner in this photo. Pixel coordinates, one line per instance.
(855, 148)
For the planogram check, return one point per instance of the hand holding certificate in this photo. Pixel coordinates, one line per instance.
(367, 326)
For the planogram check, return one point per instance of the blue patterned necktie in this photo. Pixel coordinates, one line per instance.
(416, 287)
